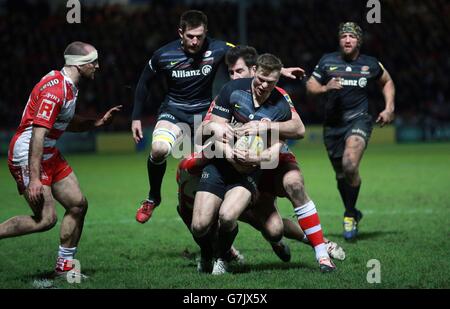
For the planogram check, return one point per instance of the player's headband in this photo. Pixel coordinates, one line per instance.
(351, 27)
(81, 59)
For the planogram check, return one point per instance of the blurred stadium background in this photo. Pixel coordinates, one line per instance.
(412, 42)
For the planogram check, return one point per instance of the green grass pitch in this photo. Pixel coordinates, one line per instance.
(405, 198)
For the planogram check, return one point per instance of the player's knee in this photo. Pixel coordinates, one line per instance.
(350, 166)
(227, 221)
(295, 188)
(47, 222)
(80, 209)
(84, 205)
(159, 152)
(274, 233)
(199, 228)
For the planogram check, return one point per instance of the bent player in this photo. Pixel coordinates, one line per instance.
(240, 190)
(42, 174)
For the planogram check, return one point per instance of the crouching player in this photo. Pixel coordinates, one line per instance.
(188, 176)
(43, 176)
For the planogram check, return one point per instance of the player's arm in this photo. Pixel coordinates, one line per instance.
(35, 187)
(140, 97)
(290, 129)
(249, 158)
(50, 103)
(221, 131)
(314, 87)
(320, 82)
(293, 73)
(388, 88)
(219, 122)
(81, 124)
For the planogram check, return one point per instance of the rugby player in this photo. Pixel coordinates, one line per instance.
(220, 182)
(41, 172)
(189, 66)
(344, 77)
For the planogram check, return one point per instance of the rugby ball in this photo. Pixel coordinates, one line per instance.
(250, 142)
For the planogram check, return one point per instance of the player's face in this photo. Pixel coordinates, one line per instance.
(264, 82)
(193, 38)
(88, 70)
(348, 43)
(241, 70)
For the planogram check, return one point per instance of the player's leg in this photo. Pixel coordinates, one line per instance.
(204, 227)
(209, 197)
(43, 218)
(234, 203)
(349, 183)
(308, 218)
(44, 214)
(164, 137)
(68, 193)
(292, 230)
(270, 224)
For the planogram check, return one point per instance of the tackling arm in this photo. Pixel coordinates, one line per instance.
(291, 129)
(221, 131)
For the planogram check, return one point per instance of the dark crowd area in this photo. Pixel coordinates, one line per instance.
(411, 41)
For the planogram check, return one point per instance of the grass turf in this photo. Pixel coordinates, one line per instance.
(406, 226)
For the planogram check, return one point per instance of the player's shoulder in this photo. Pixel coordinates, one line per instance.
(369, 60)
(280, 99)
(285, 96)
(239, 84)
(52, 82)
(330, 57)
(281, 90)
(169, 48)
(219, 44)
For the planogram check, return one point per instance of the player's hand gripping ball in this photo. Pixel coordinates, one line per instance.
(252, 143)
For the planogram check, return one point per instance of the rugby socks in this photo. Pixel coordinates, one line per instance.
(65, 258)
(309, 221)
(156, 173)
(349, 196)
(205, 243)
(225, 241)
(67, 253)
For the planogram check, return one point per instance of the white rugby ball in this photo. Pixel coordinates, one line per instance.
(250, 142)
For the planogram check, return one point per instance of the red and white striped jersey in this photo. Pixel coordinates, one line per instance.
(52, 105)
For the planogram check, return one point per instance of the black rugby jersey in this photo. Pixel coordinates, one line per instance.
(189, 76)
(351, 101)
(235, 103)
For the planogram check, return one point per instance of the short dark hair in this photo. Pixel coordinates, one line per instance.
(193, 19)
(247, 53)
(76, 48)
(269, 62)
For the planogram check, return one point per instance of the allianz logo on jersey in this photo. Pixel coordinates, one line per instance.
(222, 109)
(361, 82)
(205, 70)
